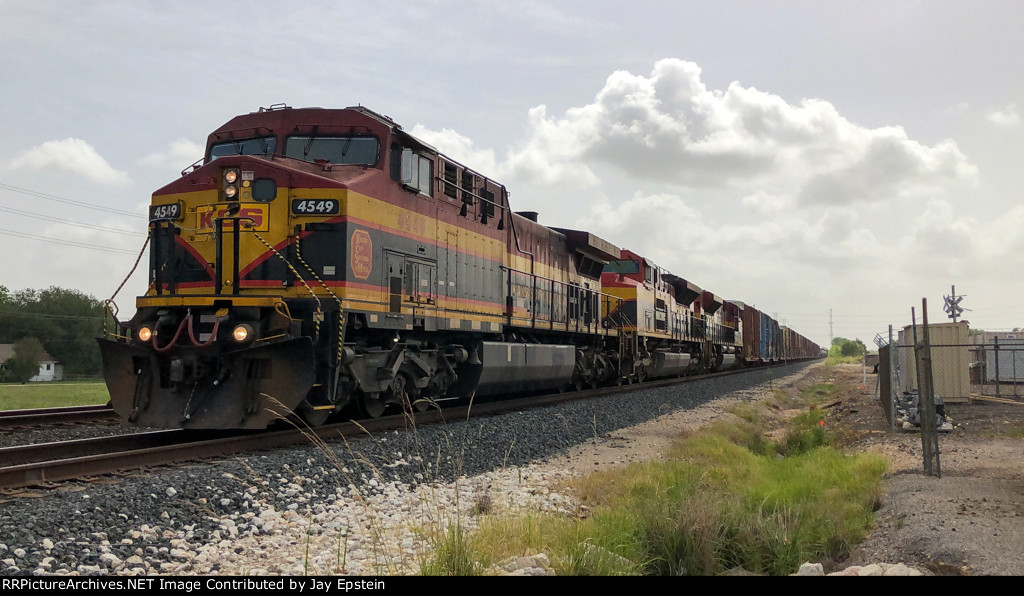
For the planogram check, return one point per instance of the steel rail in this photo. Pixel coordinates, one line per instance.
(43, 416)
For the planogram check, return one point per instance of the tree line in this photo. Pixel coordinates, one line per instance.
(63, 322)
(847, 347)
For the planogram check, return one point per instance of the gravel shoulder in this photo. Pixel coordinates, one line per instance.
(370, 507)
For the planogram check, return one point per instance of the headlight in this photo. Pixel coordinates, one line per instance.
(230, 176)
(242, 333)
(145, 333)
(230, 191)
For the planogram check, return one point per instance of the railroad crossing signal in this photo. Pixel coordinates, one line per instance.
(952, 306)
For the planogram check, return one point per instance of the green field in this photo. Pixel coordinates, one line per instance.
(14, 396)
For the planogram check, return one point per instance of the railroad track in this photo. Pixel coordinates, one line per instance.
(29, 465)
(46, 416)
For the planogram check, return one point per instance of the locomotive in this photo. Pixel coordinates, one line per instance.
(323, 261)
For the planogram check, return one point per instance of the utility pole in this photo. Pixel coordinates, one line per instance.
(926, 401)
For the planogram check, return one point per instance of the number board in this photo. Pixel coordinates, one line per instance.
(315, 206)
(169, 211)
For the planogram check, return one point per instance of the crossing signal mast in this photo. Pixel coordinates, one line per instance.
(952, 306)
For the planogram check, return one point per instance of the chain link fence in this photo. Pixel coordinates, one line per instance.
(924, 368)
(997, 367)
(964, 366)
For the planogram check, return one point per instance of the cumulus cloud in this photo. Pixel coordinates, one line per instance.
(736, 188)
(72, 155)
(669, 127)
(942, 241)
(461, 149)
(678, 235)
(180, 154)
(1006, 117)
(1002, 243)
(766, 203)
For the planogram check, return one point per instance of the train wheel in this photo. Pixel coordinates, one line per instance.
(422, 404)
(372, 404)
(581, 382)
(405, 391)
(314, 417)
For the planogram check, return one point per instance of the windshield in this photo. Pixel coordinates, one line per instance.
(254, 146)
(340, 150)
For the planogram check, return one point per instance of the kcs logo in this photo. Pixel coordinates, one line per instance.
(257, 216)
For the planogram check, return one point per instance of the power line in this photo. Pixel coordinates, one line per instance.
(67, 242)
(814, 316)
(69, 222)
(50, 197)
(31, 315)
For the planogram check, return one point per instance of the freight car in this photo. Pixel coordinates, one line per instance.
(319, 261)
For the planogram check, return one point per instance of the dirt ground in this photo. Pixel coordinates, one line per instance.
(969, 521)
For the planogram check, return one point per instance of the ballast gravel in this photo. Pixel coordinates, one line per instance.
(367, 505)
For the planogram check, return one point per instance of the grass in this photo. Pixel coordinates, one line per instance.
(819, 393)
(726, 497)
(1007, 431)
(16, 396)
(578, 548)
(453, 555)
(834, 360)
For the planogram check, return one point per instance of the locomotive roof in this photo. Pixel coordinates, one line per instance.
(280, 119)
(590, 244)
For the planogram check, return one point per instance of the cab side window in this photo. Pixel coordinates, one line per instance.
(417, 170)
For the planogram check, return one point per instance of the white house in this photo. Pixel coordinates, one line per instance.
(49, 368)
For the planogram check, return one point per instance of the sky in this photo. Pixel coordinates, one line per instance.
(831, 162)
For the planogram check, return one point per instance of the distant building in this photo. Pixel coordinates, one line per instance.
(950, 360)
(49, 368)
(1000, 356)
(988, 337)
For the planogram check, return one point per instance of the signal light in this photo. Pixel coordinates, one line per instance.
(242, 333)
(230, 177)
